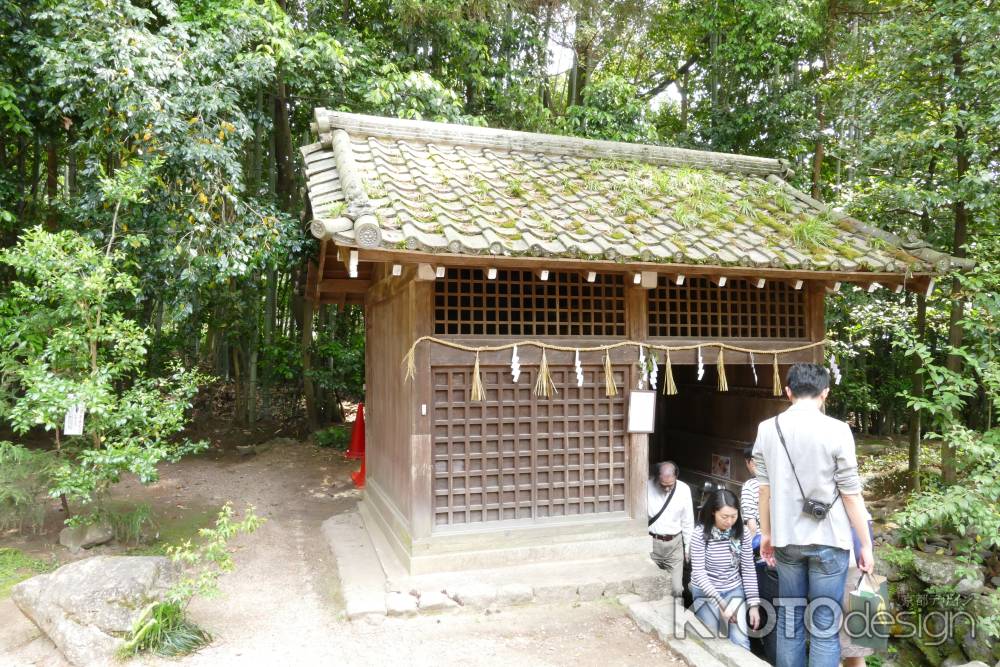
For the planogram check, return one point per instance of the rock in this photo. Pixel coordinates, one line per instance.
(400, 604)
(86, 605)
(955, 660)
(479, 596)
(888, 570)
(978, 645)
(940, 570)
(651, 588)
(511, 594)
(590, 591)
(435, 601)
(246, 450)
(276, 442)
(974, 663)
(995, 581)
(555, 592)
(84, 537)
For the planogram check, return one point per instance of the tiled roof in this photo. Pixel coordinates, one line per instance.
(388, 183)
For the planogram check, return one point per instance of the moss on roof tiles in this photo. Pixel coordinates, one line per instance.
(625, 200)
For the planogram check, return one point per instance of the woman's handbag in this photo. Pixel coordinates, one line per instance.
(867, 618)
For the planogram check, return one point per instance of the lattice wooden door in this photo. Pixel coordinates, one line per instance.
(516, 456)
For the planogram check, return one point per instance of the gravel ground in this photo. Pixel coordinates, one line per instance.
(282, 605)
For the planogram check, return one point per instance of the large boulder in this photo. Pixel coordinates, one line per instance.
(942, 570)
(975, 642)
(87, 607)
(76, 538)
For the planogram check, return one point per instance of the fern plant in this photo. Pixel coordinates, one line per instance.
(25, 477)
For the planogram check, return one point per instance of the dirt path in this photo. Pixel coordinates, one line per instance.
(282, 605)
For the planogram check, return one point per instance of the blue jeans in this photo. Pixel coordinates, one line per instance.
(810, 573)
(708, 612)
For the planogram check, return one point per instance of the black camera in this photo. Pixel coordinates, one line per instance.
(817, 509)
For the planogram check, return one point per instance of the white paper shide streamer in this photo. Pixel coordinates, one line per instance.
(653, 371)
(515, 365)
(834, 369)
(753, 368)
(701, 365)
(579, 370)
(643, 370)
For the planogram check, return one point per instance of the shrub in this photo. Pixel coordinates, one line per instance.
(337, 437)
(25, 476)
(163, 627)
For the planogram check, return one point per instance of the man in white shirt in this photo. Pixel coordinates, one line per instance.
(671, 522)
(810, 498)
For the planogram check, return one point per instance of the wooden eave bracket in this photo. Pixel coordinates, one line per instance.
(349, 257)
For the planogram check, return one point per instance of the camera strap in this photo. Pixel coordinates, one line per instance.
(781, 437)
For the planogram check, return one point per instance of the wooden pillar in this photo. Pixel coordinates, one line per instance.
(421, 315)
(816, 314)
(637, 457)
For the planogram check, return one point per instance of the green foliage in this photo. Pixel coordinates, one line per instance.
(25, 478)
(163, 627)
(128, 526)
(16, 566)
(72, 346)
(414, 95)
(610, 110)
(814, 232)
(341, 342)
(206, 561)
(337, 437)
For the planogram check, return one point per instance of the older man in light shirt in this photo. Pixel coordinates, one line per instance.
(671, 522)
(804, 455)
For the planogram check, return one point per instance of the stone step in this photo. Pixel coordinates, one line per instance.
(685, 634)
(654, 619)
(374, 582)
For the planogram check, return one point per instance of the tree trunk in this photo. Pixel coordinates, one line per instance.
(913, 468)
(256, 148)
(285, 181)
(956, 333)
(51, 184)
(308, 389)
(36, 172)
(253, 352)
(239, 404)
(270, 296)
(22, 174)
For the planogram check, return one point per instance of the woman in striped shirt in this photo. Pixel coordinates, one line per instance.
(723, 577)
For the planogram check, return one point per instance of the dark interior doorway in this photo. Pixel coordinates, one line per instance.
(704, 430)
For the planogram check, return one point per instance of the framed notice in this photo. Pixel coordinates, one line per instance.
(641, 411)
(721, 466)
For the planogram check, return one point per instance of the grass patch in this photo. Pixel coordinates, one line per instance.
(175, 531)
(16, 566)
(163, 629)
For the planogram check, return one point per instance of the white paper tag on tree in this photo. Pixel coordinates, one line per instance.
(73, 425)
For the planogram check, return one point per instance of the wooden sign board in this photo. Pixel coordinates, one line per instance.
(641, 411)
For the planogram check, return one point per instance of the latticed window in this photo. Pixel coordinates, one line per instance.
(519, 303)
(701, 309)
(517, 456)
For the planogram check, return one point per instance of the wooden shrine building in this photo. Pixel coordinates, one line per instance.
(480, 238)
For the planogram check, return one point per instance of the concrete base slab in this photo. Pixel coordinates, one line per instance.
(374, 581)
(361, 575)
(684, 634)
